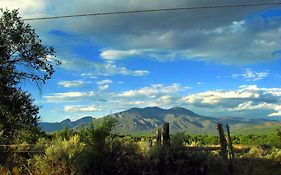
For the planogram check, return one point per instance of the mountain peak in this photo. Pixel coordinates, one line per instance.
(135, 109)
(178, 108)
(153, 108)
(181, 110)
(50, 127)
(66, 121)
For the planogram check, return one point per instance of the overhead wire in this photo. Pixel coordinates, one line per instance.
(153, 10)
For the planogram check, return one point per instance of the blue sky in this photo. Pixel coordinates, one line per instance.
(216, 62)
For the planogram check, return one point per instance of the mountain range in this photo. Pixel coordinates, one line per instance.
(56, 126)
(145, 120)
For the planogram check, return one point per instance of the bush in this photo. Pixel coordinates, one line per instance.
(178, 141)
(58, 158)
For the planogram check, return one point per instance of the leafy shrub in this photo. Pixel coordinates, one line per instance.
(168, 162)
(275, 155)
(126, 157)
(66, 133)
(58, 157)
(96, 157)
(178, 141)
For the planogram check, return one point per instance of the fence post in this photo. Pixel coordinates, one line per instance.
(230, 142)
(231, 152)
(158, 135)
(223, 142)
(166, 135)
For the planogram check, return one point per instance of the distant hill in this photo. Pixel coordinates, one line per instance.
(50, 127)
(146, 120)
(257, 129)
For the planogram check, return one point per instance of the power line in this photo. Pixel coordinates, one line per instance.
(154, 10)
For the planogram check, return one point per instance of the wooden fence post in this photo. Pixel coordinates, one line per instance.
(231, 152)
(158, 136)
(166, 135)
(223, 142)
(230, 142)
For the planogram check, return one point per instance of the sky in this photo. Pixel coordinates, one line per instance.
(221, 62)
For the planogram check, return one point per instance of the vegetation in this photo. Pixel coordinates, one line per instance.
(99, 150)
(22, 57)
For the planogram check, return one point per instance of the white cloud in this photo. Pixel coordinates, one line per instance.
(68, 84)
(112, 69)
(137, 103)
(93, 69)
(89, 75)
(68, 96)
(277, 112)
(152, 91)
(27, 8)
(162, 95)
(73, 108)
(250, 75)
(141, 72)
(246, 98)
(104, 87)
(214, 97)
(113, 55)
(102, 82)
(249, 105)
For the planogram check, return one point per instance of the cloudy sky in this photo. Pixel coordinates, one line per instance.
(215, 62)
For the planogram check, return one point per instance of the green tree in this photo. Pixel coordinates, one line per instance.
(22, 57)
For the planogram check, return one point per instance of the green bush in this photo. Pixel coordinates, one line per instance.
(58, 157)
(178, 141)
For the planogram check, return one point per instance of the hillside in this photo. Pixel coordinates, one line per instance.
(146, 120)
(51, 127)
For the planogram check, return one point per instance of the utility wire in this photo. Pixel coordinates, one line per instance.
(154, 10)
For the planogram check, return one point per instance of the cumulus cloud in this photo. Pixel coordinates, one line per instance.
(93, 69)
(112, 55)
(77, 83)
(246, 101)
(154, 95)
(103, 87)
(246, 98)
(68, 96)
(141, 72)
(78, 108)
(102, 82)
(250, 75)
(215, 97)
(152, 91)
(88, 75)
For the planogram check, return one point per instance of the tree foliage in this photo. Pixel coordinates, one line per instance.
(22, 57)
